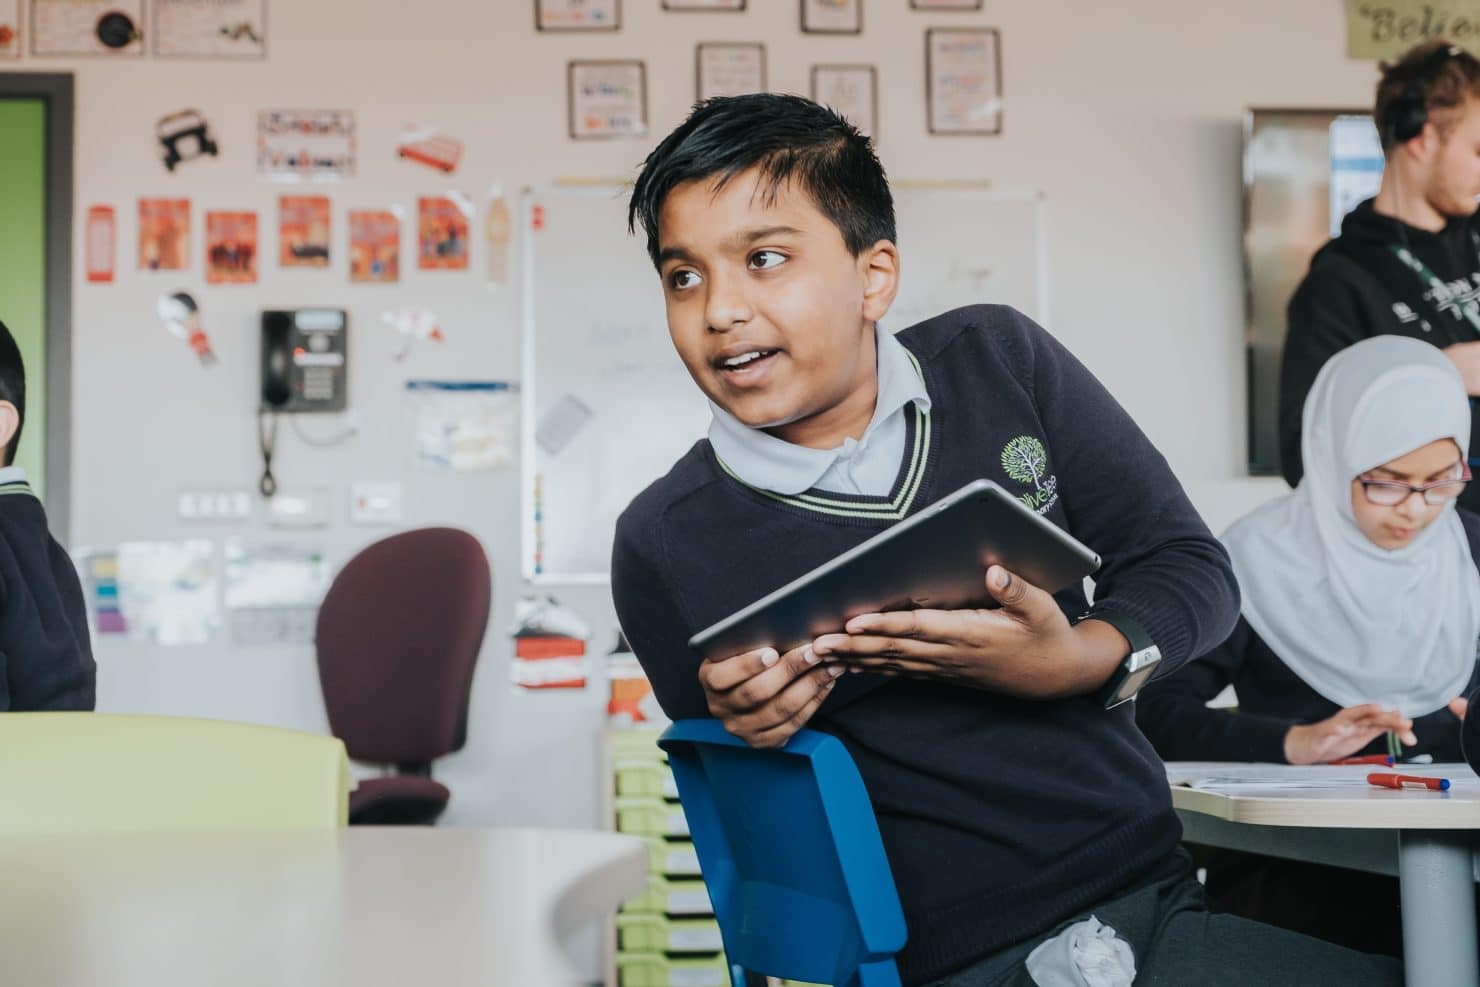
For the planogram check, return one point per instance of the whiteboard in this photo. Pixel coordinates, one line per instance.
(608, 406)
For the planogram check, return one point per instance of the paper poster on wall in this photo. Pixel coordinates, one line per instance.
(273, 592)
(100, 239)
(964, 80)
(442, 227)
(164, 234)
(465, 424)
(577, 15)
(168, 591)
(305, 145)
(10, 28)
(87, 27)
(851, 90)
(214, 29)
(303, 231)
(730, 69)
(98, 573)
(1356, 165)
(607, 99)
(231, 248)
(374, 246)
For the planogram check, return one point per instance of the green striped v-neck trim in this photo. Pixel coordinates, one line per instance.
(896, 506)
(19, 487)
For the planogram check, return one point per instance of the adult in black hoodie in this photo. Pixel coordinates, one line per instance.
(1407, 262)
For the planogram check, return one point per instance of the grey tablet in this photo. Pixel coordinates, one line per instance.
(936, 559)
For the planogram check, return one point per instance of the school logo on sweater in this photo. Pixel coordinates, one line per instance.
(1026, 461)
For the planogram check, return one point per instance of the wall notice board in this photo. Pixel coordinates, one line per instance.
(608, 406)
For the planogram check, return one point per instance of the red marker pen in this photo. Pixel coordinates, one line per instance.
(1386, 759)
(1384, 780)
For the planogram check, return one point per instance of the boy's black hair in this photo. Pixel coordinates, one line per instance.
(790, 139)
(12, 386)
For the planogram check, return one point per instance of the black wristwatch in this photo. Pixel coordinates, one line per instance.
(1137, 668)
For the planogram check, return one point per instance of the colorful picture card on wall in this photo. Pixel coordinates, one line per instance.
(964, 75)
(303, 231)
(374, 246)
(442, 228)
(577, 15)
(164, 234)
(305, 145)
(607, 99)
(231, 248)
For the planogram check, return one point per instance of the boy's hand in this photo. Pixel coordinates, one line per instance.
(1026, 648)
(1345, 733)
(763, 698)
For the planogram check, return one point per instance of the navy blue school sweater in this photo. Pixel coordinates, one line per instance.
(46, 660)
(1174, 715)
(1000, 816)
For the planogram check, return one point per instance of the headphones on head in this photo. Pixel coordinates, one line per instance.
(1409, 112)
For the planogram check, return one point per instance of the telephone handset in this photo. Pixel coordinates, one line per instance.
(305, 357)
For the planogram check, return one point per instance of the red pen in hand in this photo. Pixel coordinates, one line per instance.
(1385, 780)
(1386, 759)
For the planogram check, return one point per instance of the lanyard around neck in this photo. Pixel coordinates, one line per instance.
(1463, 305)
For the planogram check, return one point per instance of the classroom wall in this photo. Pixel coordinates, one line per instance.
(1127, 116)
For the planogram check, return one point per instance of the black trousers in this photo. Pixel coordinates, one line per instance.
(1179, 941)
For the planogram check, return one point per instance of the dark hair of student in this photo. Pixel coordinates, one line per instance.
(791, 140)
(12, 386)
(1429, 83)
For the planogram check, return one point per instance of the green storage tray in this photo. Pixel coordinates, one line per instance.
(640, 933)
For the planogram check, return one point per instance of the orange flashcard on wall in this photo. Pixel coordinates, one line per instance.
(164, 234)
(231, 248)
(374, 246)
(102, 234)
(442, 235)
(303, 231)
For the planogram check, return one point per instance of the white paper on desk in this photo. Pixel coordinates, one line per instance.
(1226, 776)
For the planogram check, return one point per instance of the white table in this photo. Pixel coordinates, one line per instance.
(1427, 839)
(361, 908)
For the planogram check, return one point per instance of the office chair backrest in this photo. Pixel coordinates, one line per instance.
(110, 773)
(791, 855)
(398, 637)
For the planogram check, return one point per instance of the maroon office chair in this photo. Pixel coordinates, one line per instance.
(397, 639)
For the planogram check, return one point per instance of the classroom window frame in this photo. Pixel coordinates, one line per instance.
(930, 94)
(758, 46)
(575, 64)
(857, 28)
(873, 89)
(540, 25)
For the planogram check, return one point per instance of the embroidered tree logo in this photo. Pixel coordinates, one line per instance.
(1025, 460)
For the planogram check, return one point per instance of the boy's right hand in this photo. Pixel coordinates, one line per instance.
(1345, 734)
(762, 697)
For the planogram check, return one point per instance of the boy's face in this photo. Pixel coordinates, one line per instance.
(1454, 181)
(770, 312)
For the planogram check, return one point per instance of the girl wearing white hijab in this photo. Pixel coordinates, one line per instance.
(1361, 603)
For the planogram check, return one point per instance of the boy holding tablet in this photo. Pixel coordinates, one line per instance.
(1012, 802)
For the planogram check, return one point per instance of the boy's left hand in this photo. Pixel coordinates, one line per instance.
(1025, 648)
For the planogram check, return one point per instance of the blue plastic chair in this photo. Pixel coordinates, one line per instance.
(791, 855)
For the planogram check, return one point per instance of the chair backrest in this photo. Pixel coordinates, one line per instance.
(791, 854)
(397, 640)
(109, 773)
